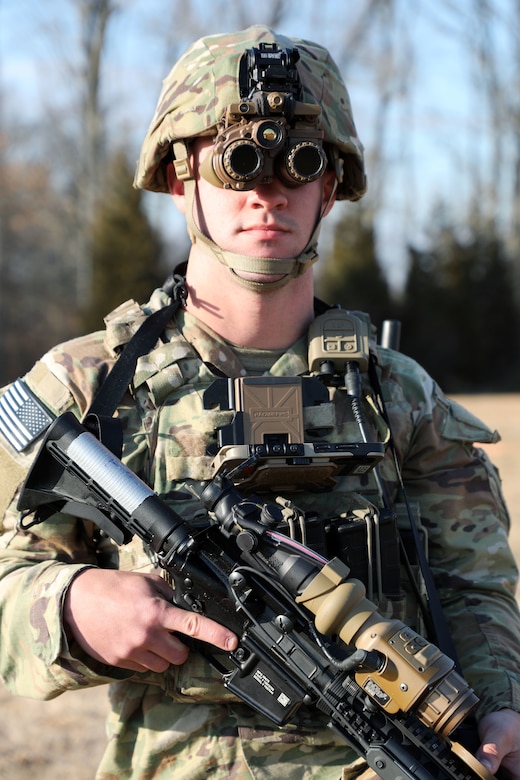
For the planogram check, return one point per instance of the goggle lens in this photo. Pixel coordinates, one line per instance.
(253, 153)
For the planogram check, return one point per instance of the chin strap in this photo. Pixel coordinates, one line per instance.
(291, 267)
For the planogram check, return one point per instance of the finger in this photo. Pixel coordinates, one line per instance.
(134, 666)
(200, 627)
(488, 758)
(492, 750)
(163, 649)
(498, 733)
(156, 662)
(192, 624)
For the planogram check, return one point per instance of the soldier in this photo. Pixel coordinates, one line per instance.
(255, 141)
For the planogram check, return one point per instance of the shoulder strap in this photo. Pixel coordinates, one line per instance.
(115, 385)
(436, 620)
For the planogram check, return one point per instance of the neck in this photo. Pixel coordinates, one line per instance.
(243, 316)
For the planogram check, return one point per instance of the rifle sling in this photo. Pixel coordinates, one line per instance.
(442, 637)
(115, 385)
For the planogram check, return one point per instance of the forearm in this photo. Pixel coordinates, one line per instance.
(36, 659)
(467, 523)
(485, 631)
(36, 569)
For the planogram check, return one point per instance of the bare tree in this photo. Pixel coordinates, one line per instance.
(375, 43)
(494, 49)
(94, 19)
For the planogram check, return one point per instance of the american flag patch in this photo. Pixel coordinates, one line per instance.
(22, 416)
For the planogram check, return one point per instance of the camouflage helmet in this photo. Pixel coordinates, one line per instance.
(204, 82)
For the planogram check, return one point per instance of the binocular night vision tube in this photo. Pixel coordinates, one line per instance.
(247, 155)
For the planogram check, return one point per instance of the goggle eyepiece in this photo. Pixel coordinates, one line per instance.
(303, 162)
(250, 154)
(242, 161)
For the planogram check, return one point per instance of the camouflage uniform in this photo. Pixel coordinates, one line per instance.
(183, 723)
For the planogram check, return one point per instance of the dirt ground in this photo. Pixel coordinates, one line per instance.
(64, 738)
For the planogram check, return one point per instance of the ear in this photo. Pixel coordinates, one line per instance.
(176, 187)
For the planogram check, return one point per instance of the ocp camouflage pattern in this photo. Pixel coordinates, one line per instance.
(184, 723)
(204, 82)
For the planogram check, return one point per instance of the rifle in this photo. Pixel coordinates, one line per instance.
(308, 636)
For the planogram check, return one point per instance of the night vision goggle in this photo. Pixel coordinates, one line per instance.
(270, 132)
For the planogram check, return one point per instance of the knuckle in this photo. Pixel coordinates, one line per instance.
(159, 665)
(192, 624)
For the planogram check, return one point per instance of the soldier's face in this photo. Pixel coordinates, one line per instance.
(271, 220)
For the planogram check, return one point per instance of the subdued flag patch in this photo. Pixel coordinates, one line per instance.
(22, 416)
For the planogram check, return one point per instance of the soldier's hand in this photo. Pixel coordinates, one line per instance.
(126, 619)
(500, 743)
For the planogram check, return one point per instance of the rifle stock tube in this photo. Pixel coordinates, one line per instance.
(416, 677)
(106, 470)
(119, 491)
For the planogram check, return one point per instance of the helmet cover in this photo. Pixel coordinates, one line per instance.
(205, 81)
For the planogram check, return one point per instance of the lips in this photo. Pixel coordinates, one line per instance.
(270, 229)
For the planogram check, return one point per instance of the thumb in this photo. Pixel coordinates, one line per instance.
(488, 759)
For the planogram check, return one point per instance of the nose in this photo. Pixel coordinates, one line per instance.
(270, 195)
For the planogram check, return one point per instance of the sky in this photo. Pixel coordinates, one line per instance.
(426, 132)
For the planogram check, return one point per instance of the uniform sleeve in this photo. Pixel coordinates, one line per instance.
(38, 565)
(463, 511)
(36, 568)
